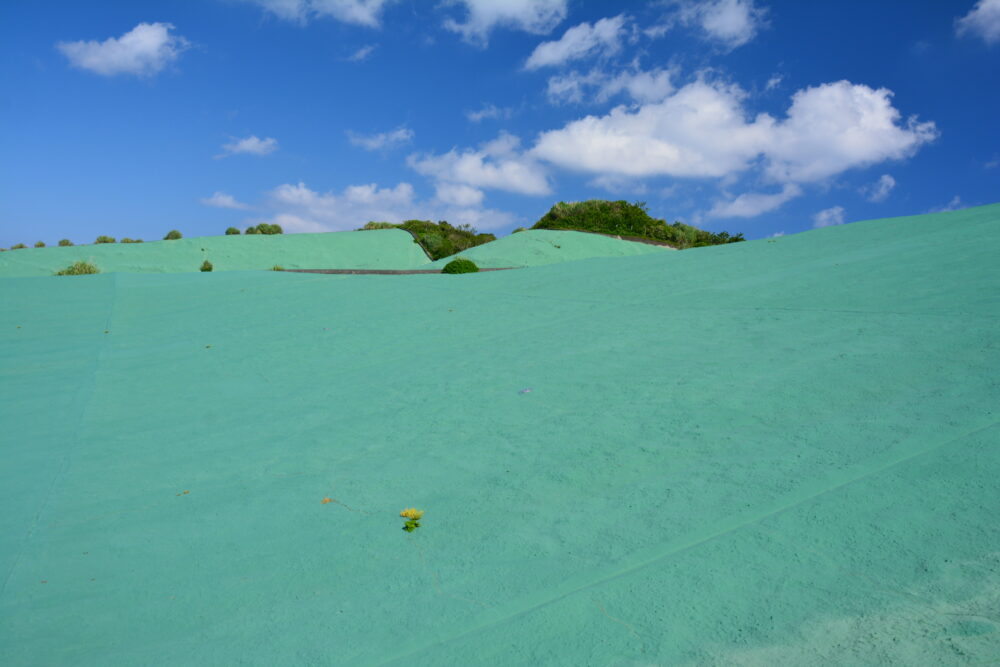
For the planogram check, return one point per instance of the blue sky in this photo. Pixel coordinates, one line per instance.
(132, 118)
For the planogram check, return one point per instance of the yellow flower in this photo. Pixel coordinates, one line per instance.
(411, 513)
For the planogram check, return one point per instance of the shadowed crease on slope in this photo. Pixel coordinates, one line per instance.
(774, 450)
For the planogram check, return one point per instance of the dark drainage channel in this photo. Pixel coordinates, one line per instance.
(384, 272)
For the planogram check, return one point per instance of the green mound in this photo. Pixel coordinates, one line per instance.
(539, 247)
(438, 239)
(620, 218)
(777, 452)
(383, 249)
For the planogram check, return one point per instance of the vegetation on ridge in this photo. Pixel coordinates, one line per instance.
(438, 239)
(619, 218)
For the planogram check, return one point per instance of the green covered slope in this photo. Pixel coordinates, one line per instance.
(382, 249)
(539, 247)
(778, 452)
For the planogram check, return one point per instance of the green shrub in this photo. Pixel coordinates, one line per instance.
(265, 228)
(519, 229)
(80, 268)
(65, 242)
(619, 218)
(378, 225)
(277, 267)
(128, 240)
(105, 239)
(206, 265)
(172, 235)
(460, 265)
(39, 244)
(18, 246)
(231, 231)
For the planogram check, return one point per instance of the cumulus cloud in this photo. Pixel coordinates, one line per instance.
(829, 216)
(382, 140)
(983, 22)
(838, 126)
(729, 23)
(599, 86)
(222, 200)
(537, 17)
(699, 131)
(491, 111)
(359, 12)
(251, 145)
(703, 130)
(880, 189)
(143, 51)
(459, 195)
(297, 208)
(580, 41)
(498, 164)
(750, 205)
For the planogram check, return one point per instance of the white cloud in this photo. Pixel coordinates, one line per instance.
(953, 205)
(578, 42)
(642, 86)
(459, 195)
(699, 131)
(498, 164)
(752, 204)
(297, 208)
(362, 54)
(491, 111)
(774, 82)
(702, 130)
(143, 51)
(374, 142)
(983, 22)
(880, 189)
(730, 23)
(359, 12)
(537, 17)
(222, 200)
(837, 126)
(829, 216)
(251, 145)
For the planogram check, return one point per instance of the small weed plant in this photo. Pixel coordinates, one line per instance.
(105, 239)
(173, 235)
(65, 242)
(206, 266)
(80, 268)
(412, 516)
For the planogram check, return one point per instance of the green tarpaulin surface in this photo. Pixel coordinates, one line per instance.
(776, 452)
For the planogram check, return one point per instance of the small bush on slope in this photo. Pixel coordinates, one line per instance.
(39, 244)
(65, 242)
(265, 228)
(460, 265)
(206, 266)
(105, 239)
(172, 235)
(438, 239)
(620, 218)
(18, 246)
(128, 240)
(80, 268)
(231, 231)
